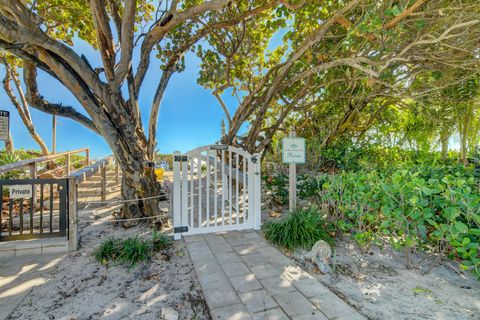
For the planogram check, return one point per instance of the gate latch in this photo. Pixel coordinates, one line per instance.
(180, 158)
(180, 229)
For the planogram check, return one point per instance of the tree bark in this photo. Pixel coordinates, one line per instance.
(444, 137)
(22, 106)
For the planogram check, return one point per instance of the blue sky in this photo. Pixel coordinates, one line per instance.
(189, 115)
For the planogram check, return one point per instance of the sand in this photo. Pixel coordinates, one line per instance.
(377, 283)
(80, 288)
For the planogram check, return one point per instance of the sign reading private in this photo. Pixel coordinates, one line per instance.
(23, 191)
(293, 150)
(4, 125)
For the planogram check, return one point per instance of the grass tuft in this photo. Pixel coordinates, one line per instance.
(299, 229)
(134, 250)
(109, 249)
(160, 241)
(131, 251)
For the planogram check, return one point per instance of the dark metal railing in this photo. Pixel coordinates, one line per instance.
(41, 213)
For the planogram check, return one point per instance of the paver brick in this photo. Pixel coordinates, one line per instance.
(245, 283)
(235, 269)
(315, 315)
(213, 280)
(277, 285)
(246, 249)
(295, 304)
(265, 271)
(199, 255)
(333, 306)
(227, 257)
(235, 312)
(310, 287)
(255, 259)
(220, 298)
(273, 314)
(256, 301)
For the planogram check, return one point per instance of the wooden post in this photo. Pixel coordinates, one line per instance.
(33, 175)
(54, 134)
(292, 182)
(103, 173)
(67, 165)
(33, 170)
(72, 215)
(117, 173)
(87, 157)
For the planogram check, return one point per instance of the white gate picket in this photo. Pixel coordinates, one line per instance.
(235, 172)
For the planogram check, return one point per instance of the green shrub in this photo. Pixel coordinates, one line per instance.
(299, 229)
(109, 249)
(277, 186)
(134, 251)
(131, 251)
(160, 241)
(433, 208)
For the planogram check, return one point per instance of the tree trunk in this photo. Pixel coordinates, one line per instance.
(444, 137)
(138, 176)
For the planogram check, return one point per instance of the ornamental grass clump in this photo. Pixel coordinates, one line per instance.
(299, 229)
(131, 251)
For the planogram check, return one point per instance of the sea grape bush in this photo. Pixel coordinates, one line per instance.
(436, 210)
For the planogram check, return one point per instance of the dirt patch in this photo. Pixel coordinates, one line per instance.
(377, 283)
(80, 288)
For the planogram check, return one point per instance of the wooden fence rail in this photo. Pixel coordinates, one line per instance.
(34, 162)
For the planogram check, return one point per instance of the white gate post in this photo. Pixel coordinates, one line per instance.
(257, 193)
(184, 193)
(177, 209)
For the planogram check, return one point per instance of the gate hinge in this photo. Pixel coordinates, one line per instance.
(180, 229)
(180, 158)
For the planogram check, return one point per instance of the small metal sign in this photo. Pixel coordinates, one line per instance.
(180, 158)
(293, 150)
(180, 229)
(4, 125)
(218, 147)
(23, 191)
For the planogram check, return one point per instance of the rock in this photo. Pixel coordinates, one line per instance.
(320, 255)
(169, 314)
(320, 248)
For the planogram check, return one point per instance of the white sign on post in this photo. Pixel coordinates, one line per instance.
(23, 191)
(4, 125)
(293, 150)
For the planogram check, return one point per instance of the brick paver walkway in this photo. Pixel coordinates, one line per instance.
(244, 277)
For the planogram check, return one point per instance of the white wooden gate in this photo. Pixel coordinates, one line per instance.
(215, 188)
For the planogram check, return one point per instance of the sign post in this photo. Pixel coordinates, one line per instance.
(293, 153)
(4, 125)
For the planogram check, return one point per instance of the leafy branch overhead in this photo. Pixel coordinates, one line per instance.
(278, 57)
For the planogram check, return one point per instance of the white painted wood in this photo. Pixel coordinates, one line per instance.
(238, 174)
(192, 193)
(200, 191)
(237, 202)
(184, 191)
(230, 206)
(223, 188)
(244, 186)
(251, 193)
(177, 215)
(257, 193)
(292, 182)
(207, 190)
(215, 197)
